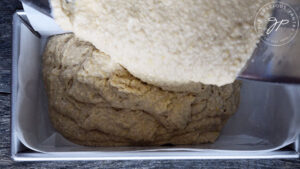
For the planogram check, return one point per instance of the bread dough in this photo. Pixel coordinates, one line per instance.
(96, 102)
(168, 42)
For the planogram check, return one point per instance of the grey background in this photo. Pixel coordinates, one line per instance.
(7, 8)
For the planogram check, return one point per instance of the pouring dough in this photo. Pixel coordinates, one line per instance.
(168, 42)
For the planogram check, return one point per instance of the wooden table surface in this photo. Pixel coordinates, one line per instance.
(7, 8)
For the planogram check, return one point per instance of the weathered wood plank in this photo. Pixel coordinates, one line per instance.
(5, 81)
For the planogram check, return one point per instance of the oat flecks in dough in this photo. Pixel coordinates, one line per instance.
(94, 101)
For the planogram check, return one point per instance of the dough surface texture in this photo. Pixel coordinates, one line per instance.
(94, 101)
(168, 42)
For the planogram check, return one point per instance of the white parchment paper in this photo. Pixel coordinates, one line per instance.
(268, 117)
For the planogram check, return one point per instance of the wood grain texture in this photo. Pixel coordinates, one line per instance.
(7, 8)
(5, 81)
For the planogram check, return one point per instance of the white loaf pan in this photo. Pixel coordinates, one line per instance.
(32, 139)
